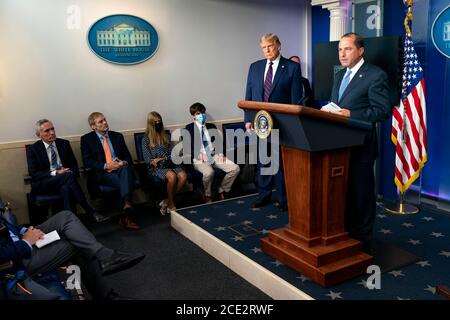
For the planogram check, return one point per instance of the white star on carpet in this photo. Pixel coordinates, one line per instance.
(237, 238)
(428, 218)
(397, 273)
(436, 234)
(334, 295)
(272, 216)
(407, 225)
(256, 250)
(231, 214)
(240, 202)
(445, 253)
(431, 289)
(414, 242)
(303, 278)
(221, 229)
(381, 216)
(277, 263)
(192, 211)
(264, 231)
(206, 220)
(424, 263)
(255, 209)
(247, 222)
(385, 231)
(398, 298)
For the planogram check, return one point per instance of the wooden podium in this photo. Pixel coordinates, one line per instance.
(315, 149)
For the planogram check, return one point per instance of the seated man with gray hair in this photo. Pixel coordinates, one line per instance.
(54, 169)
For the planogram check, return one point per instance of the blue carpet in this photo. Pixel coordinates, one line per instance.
(424, 234)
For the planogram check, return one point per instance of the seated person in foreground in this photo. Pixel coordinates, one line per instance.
(76, 243)
(203, 155)
(156, 148)
(54, 169)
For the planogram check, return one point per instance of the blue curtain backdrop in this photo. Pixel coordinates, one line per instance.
(436, 173)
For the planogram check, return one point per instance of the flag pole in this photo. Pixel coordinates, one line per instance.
(403, 208)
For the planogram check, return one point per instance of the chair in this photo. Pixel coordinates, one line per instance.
(40, 203)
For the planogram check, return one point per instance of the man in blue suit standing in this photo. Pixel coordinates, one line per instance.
(362, 92)
(278, 80)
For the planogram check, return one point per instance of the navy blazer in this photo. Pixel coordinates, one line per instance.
(367, 97)
(196, 136)
(286, 86)
(9, 250)
(94, 155)
(39, 165)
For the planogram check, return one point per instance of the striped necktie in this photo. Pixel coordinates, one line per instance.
(268, 82)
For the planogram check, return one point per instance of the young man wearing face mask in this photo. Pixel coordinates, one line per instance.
(204, 153)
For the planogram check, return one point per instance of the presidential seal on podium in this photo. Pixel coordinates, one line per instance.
(263, 124)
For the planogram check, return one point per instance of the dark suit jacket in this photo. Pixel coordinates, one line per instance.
(286, 85)
(94, 155)
(39, 165)
(367, 98)
(196, 137)
(9, 250)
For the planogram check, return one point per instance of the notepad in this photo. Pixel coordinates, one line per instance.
(48, 238)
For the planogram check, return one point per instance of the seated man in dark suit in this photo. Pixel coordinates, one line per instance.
(106, 153)
(54, 169)
(76, 243)
(204, 154)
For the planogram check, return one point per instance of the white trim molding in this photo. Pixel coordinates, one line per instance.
(339, 16)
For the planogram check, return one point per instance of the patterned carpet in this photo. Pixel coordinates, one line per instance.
(424, 235)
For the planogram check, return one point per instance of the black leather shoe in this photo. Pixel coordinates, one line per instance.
(262, 202)
(119, 261)
(98, 217)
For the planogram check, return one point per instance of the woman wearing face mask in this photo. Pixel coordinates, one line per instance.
(156, 149)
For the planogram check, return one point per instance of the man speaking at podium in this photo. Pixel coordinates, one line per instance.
(361, 91)
(278, 80)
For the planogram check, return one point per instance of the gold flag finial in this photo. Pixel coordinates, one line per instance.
(409, 15)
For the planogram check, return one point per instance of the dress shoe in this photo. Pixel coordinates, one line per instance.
(262, 202)
(127, 223)
(222, 196)
(208, 200)
(98, 217)
(119, 261)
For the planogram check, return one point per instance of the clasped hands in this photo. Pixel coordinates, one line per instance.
(115, 164)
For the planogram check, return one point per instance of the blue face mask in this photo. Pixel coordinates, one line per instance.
(201, 118)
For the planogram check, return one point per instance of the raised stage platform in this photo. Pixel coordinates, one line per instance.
(412, 251)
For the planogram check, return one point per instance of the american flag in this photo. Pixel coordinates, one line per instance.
(409, 131)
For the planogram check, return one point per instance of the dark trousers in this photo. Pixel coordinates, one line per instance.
(77, 244)
(67, 185)
(267, 182)
(122, 179)
(361, 202)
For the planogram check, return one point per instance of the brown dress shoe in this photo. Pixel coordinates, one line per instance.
(127, 223)
(221, 196)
